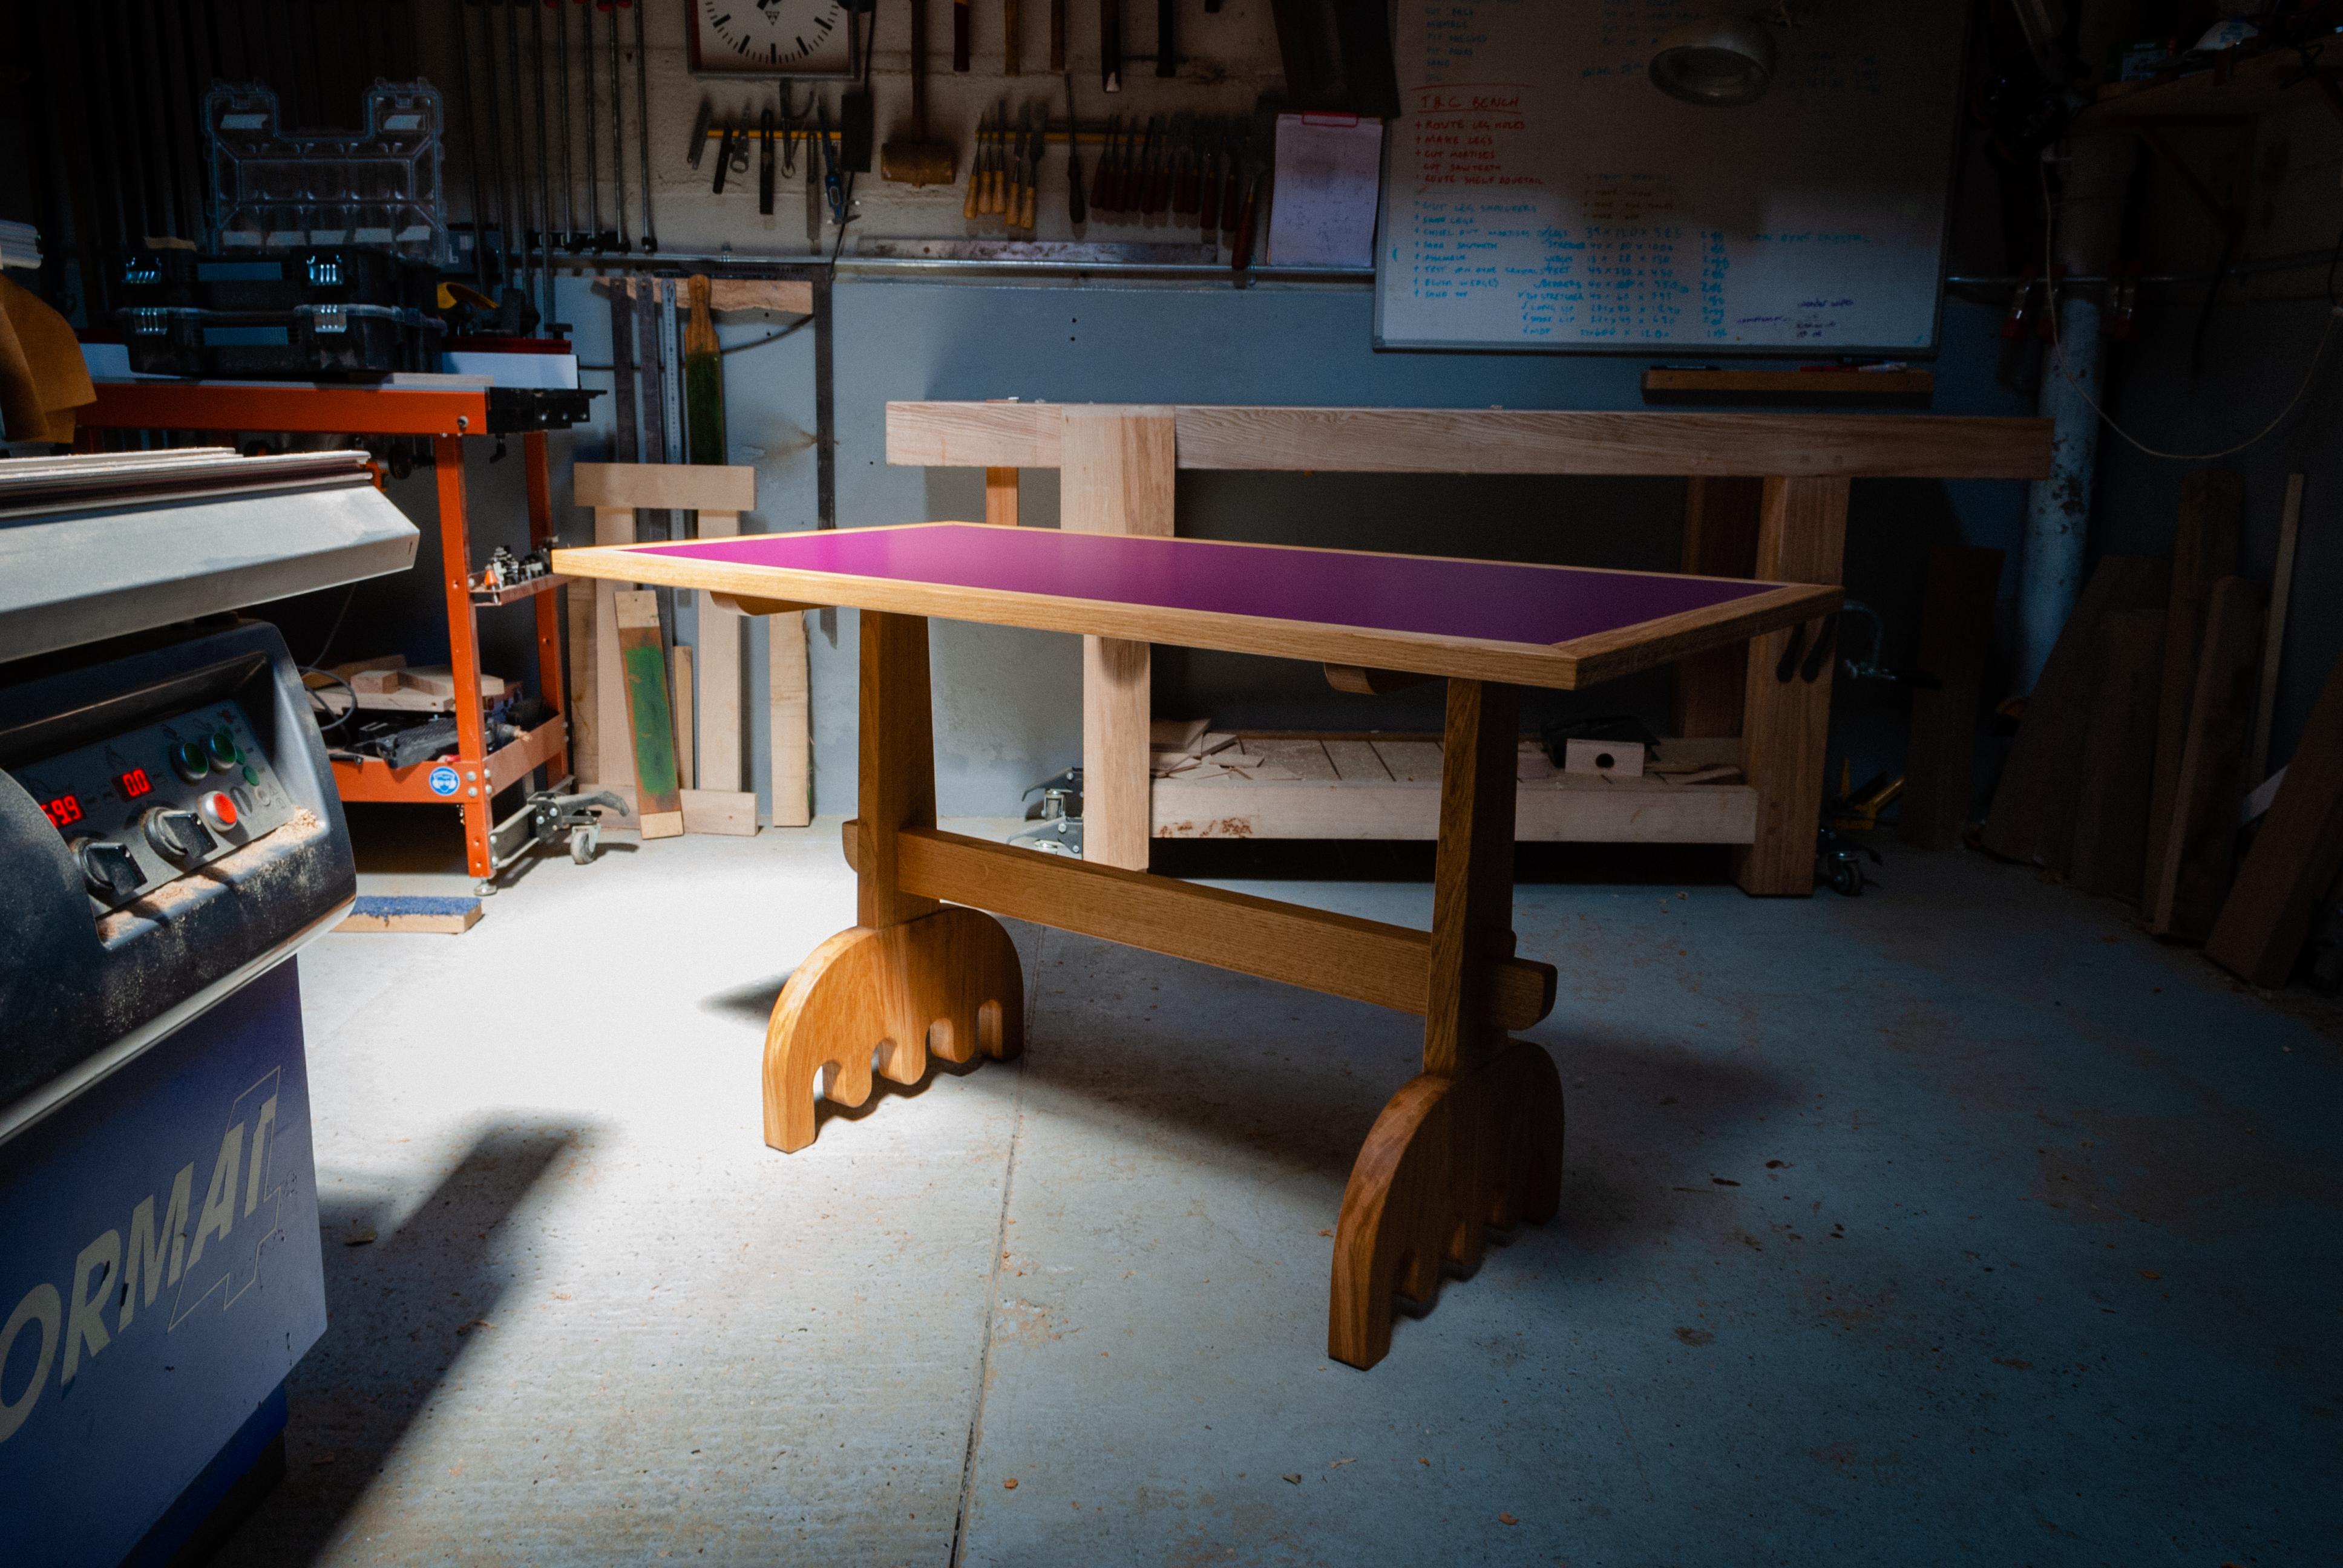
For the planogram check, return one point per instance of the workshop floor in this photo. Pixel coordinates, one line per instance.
(1955, 1223)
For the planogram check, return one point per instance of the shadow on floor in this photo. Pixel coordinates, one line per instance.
(400, 1309)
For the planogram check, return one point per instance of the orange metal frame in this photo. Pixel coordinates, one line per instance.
(448, 418)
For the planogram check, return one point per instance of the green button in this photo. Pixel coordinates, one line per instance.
(189, 763)
(223, 749)
(251, 774)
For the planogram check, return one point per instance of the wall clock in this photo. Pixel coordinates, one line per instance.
(772, 38)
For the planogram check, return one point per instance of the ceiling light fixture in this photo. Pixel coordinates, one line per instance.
(1722, 62)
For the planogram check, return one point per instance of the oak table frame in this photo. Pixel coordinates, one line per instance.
(1474, 1143)
(1118, 462)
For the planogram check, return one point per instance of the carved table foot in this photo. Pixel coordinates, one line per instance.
(1448, 1160)
(947, 983)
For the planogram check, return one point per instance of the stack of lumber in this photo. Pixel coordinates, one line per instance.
(387, 684)
(2296, 856)
(2134, 753)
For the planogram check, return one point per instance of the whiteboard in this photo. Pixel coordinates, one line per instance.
(1539, 193)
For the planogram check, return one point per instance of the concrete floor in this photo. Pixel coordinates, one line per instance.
(1955, 1223)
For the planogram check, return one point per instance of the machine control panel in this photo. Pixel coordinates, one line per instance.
(147, 807)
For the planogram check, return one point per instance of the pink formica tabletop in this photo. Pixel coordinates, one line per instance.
(1540, 625)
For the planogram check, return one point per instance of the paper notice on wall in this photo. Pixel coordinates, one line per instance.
(1329, 173)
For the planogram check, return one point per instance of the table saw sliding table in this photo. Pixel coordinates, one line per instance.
(1472, 1144)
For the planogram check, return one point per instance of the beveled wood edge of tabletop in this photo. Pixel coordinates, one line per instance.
(1565, 666)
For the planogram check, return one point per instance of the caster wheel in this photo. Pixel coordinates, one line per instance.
(583, 843)
(1847, 880)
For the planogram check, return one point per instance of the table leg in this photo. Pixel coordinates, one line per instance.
(911, 976)
(1785, 723)
(1475, 1141)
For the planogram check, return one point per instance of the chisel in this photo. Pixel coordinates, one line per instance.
(1058, 35)
(1111, 45)
(1102, 182)
(1167, 58)
(1012, 51)
(967, 208)
(960, 35)
(765, 163)
(699, 132)
(1077, 211)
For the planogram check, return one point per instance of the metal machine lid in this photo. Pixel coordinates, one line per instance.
(107, 543)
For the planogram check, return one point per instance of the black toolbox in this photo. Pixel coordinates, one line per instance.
(332, 313)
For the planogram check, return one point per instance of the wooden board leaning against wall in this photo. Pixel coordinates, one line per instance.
(716, 738)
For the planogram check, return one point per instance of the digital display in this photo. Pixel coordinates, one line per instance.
(134, 783)
(63, 810)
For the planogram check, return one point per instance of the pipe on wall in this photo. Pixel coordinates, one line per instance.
(2087, 236)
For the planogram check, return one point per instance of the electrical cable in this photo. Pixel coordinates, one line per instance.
(770, 338)
(2050, 301)
(335, 630)
(318, 704)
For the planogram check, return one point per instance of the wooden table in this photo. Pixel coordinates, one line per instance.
(1472, 1144)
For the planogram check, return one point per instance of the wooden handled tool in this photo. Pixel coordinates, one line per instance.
(1102, 182)
(1167, 57)
(1111, 45)
(1058, 35)
(1077, 210)
(1012, 54)
(961, 31)
(919, 162)
(967, 208)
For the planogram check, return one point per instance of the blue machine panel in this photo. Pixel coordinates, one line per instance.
(160, 1275)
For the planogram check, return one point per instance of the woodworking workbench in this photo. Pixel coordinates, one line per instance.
(1471, 1145)
(1766, 498)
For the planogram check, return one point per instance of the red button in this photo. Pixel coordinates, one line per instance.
(218, 810)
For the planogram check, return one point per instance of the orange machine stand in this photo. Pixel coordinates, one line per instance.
(448, 416)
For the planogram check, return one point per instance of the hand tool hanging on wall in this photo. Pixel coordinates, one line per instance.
(1207, 218)
(857, 115)
(617, 124)
(544, 169)
(1058, 36)
(723, 158)
(519, 100)
(1033, 150)
(1077, 211)
(594, 237)
(813, 202)
(765, 163)
(962, 29)
(568, 181)
(701, 128)
(507, 209)
(643, 126)
(1167, 54)
(973, 203)
(919, 162)
(832, 187)
(1012, 59)
(472, 144)
(1111, 45)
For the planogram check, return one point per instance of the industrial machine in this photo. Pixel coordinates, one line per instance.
(169, 837)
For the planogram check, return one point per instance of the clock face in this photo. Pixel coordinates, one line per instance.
(771, 38)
